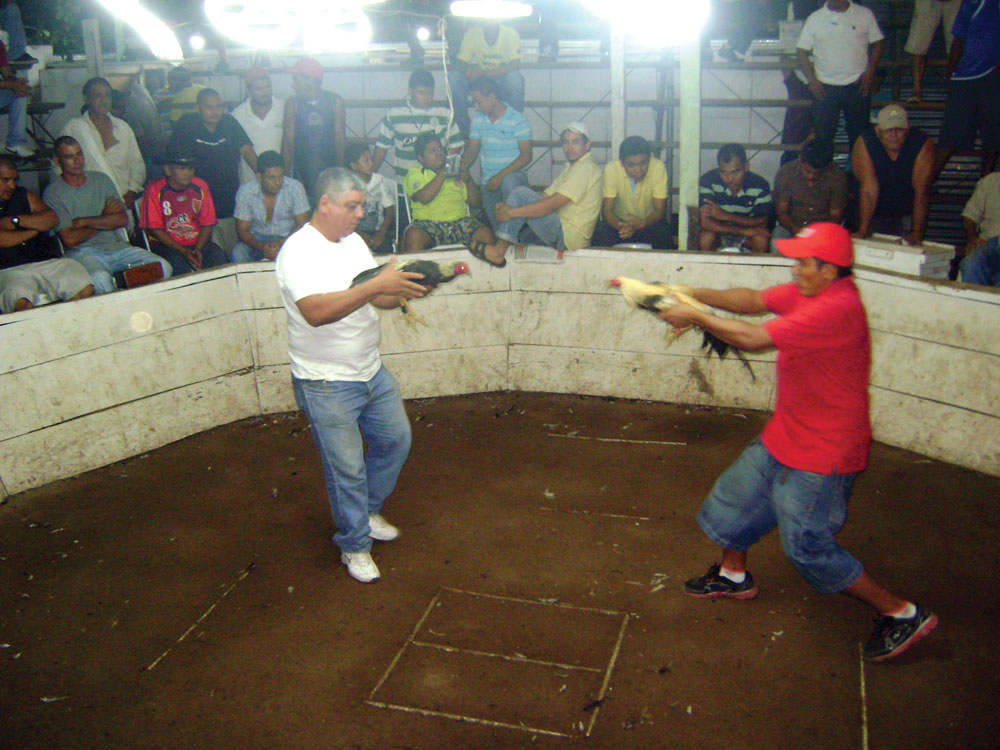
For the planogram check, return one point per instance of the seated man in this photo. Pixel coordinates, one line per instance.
(894, 165)
(565, 216)
(377, 229)
(440, 204)
(734, 205)
(808, 190)
(635, 198)
(268, 211)
(503, 136)
(492, 50)
(31, 271)
(981, 220)
(92, 219)
(177, 209)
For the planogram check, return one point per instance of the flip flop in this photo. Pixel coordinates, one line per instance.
(478, 250)
(915, 100)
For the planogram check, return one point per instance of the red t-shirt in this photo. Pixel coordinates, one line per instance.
(820, 421)
(182, 213)
(3, 56)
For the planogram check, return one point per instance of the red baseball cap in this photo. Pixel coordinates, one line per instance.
(254, 73)
(307, 66)
(823, 240)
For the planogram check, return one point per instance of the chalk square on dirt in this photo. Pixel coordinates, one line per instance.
(531, 665)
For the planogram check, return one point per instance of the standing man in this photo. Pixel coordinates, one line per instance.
(894, 164)
(314, 131)
(927, 16)
(846, 44)
(261, 117)
(92, 219)
(348, 395)
(564, 217)
(734, 204)
(268, 211)
(634, 208)
(14, 93)
(974, 85)
(502, 136)
(808, 190)
(218, 143)
(108, 143)
(177, 210)
(31, 270)
(799, 474)
(492, 50)
(403, 123)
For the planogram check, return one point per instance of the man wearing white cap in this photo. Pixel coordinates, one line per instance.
(894, 164)
(798, 475)
(565, 216)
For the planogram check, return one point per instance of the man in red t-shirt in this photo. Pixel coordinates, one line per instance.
(798, 475)
(177, 210)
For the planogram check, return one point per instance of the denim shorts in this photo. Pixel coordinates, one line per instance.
(758, 492)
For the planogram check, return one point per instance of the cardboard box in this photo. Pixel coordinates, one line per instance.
(931, 259)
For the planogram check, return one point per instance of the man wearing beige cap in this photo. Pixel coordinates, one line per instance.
(315, 130)
(261, 116)
(894, 164)
(565, 216)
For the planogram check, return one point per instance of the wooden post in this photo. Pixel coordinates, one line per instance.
(92, 47)
(617, 88)
(690, 137)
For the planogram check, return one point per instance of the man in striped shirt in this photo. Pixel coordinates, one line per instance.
(734, 205)
(401, 126)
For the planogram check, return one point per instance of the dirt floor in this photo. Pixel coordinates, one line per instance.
(190, 598)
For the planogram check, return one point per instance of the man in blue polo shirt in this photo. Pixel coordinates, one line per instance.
(734, 205)
(502, 137)
(974, 89)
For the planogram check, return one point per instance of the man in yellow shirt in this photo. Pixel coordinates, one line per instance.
(440, 204)
(492, 50)
(634, 208)
(564, 217)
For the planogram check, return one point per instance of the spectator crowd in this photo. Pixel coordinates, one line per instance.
(203, 187)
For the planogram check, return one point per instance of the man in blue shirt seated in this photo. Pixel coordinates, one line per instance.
(268, 210)
(734, 205)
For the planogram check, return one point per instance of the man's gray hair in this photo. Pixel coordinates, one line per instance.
(335, 181)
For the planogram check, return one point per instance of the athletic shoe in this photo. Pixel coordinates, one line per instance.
(20, 152)
(892, 636)
(361, 566)
(712, 585)
(381, 530)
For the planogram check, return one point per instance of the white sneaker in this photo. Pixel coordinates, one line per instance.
(381, 529)
(23, 151)
(361, 566)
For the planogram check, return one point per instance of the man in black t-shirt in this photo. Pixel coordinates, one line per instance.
(31, 271)
(218, 142)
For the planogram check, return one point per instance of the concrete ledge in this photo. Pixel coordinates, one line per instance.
(96, 381)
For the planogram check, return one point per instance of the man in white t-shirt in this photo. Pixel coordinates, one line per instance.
(262, 117)
(846, 45)
(340, 383)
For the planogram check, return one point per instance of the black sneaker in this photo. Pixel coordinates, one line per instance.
(712, 585)
(892, 636)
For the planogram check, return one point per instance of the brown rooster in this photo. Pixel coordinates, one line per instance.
(657, 296)
(434, 273)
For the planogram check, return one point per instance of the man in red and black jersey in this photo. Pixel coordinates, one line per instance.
(178, 213)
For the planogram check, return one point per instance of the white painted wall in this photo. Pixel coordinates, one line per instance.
(81, 387)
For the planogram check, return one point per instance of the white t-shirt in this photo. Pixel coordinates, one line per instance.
(380, 193)
(265, 134)
(343, 350)
(839, 42)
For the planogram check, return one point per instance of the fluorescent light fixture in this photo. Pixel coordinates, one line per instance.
(156, 34)
(197, 42)
(323, 25)
(333, 27)
(490, 9)
(664, 23)
(255, 23)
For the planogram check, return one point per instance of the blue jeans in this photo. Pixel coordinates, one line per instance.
(511, 92)
(103, 263)
(826, 112)
(10, 21)
(492, 197)
(547, 228)
(757, 493)
(982, 265)
(17, 117)
(243, 253)
(344, 415)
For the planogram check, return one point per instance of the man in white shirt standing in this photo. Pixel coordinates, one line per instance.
(261, 116)
(846, 45)
(340, 382)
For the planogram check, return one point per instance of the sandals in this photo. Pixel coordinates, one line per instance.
(478, 250)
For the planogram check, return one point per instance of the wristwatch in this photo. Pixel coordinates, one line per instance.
(16, 221)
